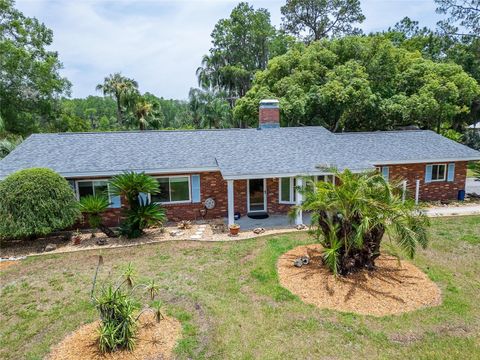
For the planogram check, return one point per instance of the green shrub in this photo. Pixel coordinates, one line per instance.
(94, 206)
(35, 202)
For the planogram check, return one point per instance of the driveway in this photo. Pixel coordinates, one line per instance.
(472, 186)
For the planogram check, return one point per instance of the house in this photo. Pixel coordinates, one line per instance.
(218, 173)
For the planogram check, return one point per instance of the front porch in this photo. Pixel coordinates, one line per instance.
(272, 222)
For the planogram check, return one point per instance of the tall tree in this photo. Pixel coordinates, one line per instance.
(122, 89)
(30, 83)
(241, 45)
(209, 109)
(464, 13)
(316, 19)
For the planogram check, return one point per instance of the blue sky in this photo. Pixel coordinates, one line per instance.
(160, 43)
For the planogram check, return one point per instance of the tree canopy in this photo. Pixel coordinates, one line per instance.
(361, 83)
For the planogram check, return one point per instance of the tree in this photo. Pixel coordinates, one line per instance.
(476, 170)
(30, 82)
(142, 110)
(351, 218)
(362, 84)
(122, 89)
(140, 213)
(317, 19)
(465, 13)
(208, 109)
(242, 44)
(94, 206)
(35, 202)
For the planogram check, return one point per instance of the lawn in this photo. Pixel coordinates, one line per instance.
(231, 306)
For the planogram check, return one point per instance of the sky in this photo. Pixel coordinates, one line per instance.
(160, 43)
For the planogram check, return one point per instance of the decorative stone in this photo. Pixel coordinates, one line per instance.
(301, 227)
(259, 230)
(298, 263)
(50, 247)
(305, 260)
(176, 233)
(102, 241)
(195, 237)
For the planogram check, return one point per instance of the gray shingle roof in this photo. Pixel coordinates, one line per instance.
(237, 153)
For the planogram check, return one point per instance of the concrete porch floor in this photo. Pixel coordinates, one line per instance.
(272, 222)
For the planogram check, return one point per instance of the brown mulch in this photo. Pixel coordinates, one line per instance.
(7, 264)
(392, 288)
(155, 341)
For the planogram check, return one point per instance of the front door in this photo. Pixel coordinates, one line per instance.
(256, 195)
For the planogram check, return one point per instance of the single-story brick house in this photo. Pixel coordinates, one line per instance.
(217, 173)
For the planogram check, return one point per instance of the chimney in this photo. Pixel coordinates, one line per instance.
(269, 114)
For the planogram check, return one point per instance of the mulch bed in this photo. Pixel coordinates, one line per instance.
(155, 341)
(392, 288)
(6, 264)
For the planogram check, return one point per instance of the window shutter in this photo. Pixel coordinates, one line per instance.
(115, 202)
(451, 172)
(143, 198)
(428, 173)
(196, 188)
(385, 172)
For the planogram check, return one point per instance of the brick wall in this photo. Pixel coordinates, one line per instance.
(437, 190)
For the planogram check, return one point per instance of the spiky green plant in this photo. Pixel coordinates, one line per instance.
(94, 206)
(140, 214)
(350, 219)
(476, 170)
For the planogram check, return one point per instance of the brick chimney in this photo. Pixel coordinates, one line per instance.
(269, 114)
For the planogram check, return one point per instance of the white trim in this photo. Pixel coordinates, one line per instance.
(298, 201)
(230, 200)
(264, 196)
(148, 172)
(292, 190)
(270, 176)
(444, 173)
(426, 161)
(189, 201)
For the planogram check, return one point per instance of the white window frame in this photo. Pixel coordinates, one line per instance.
(444, 173)
(77, 190)
(292, 191)
(169, 189)
(331, 178)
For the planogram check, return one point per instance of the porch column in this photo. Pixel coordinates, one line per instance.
(298, 201)
(231, 210)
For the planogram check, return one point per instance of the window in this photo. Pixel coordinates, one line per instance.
(326, 178)
(439, 172)
(173, 189)
(99, 188)
(287, 190)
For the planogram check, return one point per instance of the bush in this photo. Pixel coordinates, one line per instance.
(35, 202)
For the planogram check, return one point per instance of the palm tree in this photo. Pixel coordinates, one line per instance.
(142, 110)
(351, 218)
(140, 213)
(121, 88)
(476, 170)
(95, 206)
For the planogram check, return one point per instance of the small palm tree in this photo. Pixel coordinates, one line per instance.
(122, 89)
(140, 213)
(95, 206)
(351, 218)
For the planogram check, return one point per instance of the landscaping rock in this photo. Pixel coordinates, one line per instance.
(176, 233)
(102, 242)
(298, 263)
(305, 260)
(259, 230)
(50, 247)
(301, 227)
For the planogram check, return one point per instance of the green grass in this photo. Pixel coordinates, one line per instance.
(231, 306)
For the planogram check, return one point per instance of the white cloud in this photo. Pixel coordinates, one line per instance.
(160, 43)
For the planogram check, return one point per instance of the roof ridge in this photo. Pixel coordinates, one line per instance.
(382, 131)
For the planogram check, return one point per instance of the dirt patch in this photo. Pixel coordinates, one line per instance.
(392, 289)
(155, 341)
(6, 264)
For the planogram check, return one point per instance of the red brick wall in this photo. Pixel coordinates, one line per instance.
(269, 116)
(437, 190)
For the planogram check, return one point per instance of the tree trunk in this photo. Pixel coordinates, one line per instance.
(119, 111)
(107, 231)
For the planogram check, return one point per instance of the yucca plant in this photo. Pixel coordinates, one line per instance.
(140, 213)
(94, 206)
(350, 219)
(119, 308)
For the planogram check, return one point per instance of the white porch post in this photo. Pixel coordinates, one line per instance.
(298, 201)
(417, 191)
(231, 207)
(404, 190)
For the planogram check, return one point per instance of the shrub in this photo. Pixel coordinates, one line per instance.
(35, 202)
(94, 206)
(119, 308)
(140, 214)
